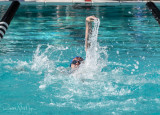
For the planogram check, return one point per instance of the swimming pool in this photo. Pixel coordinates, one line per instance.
(36, 51)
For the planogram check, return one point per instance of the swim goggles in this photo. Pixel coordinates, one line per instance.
(75, 61)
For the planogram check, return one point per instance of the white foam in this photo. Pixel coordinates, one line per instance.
(42, 86)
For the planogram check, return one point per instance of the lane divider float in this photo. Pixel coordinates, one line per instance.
(7, 18)
(155, 11)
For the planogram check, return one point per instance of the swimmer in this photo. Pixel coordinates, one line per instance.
(78, 60)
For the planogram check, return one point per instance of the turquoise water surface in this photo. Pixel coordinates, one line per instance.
(36, 51)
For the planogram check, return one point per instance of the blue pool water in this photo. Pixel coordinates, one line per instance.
(35, 53)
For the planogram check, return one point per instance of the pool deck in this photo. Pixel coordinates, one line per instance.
(92, 1)
(89, 1)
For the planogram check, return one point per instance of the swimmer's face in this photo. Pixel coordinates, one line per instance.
(76, 62)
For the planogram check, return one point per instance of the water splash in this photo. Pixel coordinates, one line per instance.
(96, 57)
(41, 62)
(92, 54)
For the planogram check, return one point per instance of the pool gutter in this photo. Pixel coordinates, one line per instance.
(86, 1)
(93, 1)
(71, 2)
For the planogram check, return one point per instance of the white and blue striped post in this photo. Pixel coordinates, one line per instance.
(7, 18)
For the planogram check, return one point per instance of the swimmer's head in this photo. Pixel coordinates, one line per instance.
(76, 62)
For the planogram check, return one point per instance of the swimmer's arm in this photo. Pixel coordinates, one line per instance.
(86, 35)
(89, 21)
